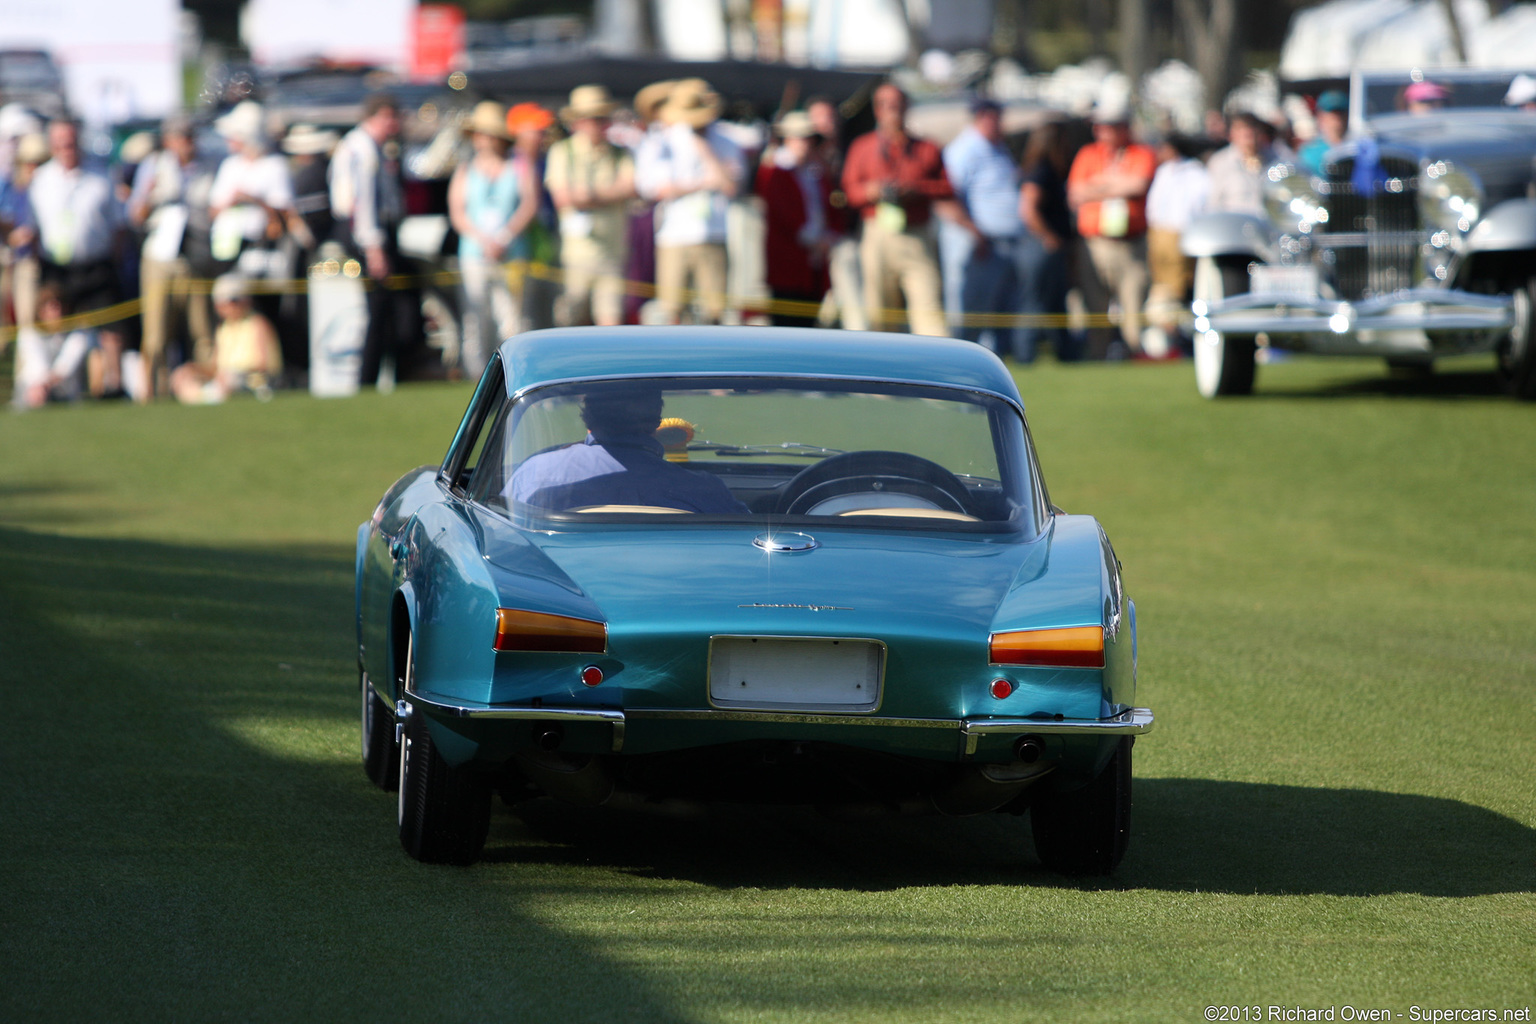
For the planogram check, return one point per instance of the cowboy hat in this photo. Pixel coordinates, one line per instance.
(246, 122)
(32, 149)
(308, 140)
(650, 99)
(488, 118)
(588, 101)
(692, 102)
(796, 124)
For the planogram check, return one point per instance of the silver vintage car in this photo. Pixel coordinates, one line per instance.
(1417, 241)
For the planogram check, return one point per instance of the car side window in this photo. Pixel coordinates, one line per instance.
(479, 424)
(488, 477)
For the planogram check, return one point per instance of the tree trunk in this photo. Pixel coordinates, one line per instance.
(1214, 43)
(1135, 44)
(1458, 41)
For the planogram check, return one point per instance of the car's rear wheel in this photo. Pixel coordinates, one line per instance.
(445, 811)
(1086, 831)
(1517, 355)
(381, 758)
(1224, 365)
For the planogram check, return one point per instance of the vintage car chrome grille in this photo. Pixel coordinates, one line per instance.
(1371, 243)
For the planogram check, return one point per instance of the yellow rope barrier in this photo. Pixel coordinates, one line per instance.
(763, 305)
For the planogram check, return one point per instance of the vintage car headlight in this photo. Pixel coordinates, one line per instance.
(1450, 200)
(1292, 201)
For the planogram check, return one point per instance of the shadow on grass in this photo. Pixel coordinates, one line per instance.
(189, 835)
(1449, 384)
(1187, 835)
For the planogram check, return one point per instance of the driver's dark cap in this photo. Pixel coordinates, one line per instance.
(622, 405)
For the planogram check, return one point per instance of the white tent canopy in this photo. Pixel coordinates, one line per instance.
(1334, 38)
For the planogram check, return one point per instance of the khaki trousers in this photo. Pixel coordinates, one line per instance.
(705, 266)
(1172, 274)
(594, 285)
(899, 265)
(1120, 272)
(164, 303)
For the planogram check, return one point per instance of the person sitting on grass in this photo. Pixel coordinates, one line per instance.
(50, 361)
(246, 354)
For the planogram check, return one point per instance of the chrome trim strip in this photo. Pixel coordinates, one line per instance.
(444, 709)
(790, 718)
(528, 389)
(1132, 720)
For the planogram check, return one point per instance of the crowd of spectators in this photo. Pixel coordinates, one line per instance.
(983, 239)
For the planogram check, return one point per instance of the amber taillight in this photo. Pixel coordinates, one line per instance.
(1073, 647)
(518, 630)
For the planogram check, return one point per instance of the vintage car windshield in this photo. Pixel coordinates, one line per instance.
(1387, 94)
(913, 456)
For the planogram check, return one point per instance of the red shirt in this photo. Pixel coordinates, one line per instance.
(1095, 158)
(918, 166)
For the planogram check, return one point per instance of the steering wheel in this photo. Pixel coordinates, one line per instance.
(875, 473)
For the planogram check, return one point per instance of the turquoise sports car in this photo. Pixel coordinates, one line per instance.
(739, 564)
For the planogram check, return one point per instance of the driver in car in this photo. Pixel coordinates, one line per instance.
(620, 463)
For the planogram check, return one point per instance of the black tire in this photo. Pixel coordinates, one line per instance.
(1224, 365)
(1517, 356)
(1086, 831)
(381, 757)
(444, 811)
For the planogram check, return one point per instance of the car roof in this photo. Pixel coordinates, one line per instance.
(585, 353)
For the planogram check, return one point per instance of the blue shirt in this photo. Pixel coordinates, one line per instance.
(16, 212)
(618, 471)
(986, 180)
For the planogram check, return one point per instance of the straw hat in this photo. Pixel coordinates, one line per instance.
(692, 102)
(528, 117)
(588, 101)
(137, 147)
(488, 118)
(308, 140)
(247, 122)
(796, 124)
(32, 149)
(650, 99)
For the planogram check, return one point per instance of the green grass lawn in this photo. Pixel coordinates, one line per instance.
(1336, 586)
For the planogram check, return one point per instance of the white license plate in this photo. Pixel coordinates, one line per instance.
(1282, 280)
(795, 674)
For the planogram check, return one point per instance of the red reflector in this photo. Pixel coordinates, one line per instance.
(1076, 647)
(591, 675)
(517, 630)
(1001, 688)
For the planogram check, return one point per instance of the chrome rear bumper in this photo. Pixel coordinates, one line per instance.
(1131, 722)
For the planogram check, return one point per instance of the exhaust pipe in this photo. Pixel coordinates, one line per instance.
(1028, 748)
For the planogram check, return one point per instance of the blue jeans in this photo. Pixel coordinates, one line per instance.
(954, 253)
(991, 285)
(1043, 284)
